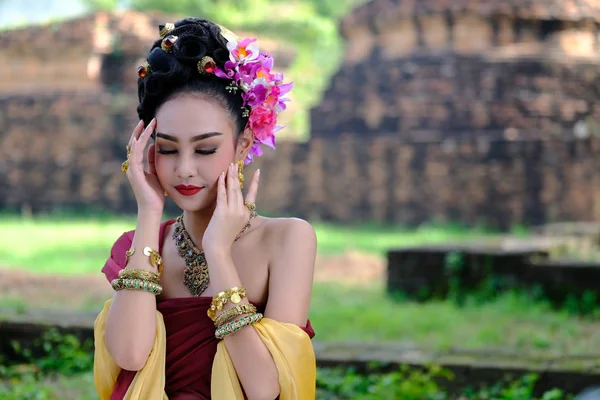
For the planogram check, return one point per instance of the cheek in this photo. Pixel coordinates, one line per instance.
(219, 163)
(161, 164)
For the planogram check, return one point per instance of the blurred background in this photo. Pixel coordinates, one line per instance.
(446, 151)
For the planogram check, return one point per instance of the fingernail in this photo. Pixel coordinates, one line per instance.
(257, 173)
(140, 122)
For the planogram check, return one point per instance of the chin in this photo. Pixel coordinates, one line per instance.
(193, 203)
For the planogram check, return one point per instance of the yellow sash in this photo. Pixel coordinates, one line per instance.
(289, 346)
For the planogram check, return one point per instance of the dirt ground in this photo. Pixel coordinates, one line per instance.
(86, 291)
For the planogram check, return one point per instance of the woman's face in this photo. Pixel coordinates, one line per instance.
(194, 143)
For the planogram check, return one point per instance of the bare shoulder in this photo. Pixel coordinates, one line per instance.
(284, 232)
(293, 250)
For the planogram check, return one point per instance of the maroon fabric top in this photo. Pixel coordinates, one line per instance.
(191, 342)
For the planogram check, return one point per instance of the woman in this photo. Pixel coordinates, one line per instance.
(214, 304)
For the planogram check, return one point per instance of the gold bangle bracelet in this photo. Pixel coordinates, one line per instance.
(136, 284)
(236, 325)
(228, 315)
(134, 273)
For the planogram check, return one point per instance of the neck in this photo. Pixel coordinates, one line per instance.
(196, 223)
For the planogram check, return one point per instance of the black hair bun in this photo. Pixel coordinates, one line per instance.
(177, 70)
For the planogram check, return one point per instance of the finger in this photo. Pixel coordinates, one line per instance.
(137, 131)
(143, 139)
(221, 192)
(231, 182)
(253, 188)
(152, 159)
(138, 146)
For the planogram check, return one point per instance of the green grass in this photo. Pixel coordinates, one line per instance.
(73, 245)
(365, 314)
(76, 387)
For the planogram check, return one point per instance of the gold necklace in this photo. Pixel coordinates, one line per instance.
(195, 274)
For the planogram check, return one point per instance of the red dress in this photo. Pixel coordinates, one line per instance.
(191, 342)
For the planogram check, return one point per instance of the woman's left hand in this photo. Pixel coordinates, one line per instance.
(231, 214)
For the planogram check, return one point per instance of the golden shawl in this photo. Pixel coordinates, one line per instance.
(288, 344)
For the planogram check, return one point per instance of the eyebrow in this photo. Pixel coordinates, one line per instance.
(196, 138)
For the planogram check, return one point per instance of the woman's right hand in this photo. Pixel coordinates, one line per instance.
(146, 187)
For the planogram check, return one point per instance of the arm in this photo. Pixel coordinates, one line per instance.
(290, 283)
(131, 320)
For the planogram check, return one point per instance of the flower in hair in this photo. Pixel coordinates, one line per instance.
(244, 51)
(262, 90)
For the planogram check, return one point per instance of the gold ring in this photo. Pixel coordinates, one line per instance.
(251, 207)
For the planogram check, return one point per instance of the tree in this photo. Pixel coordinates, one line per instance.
(103, 5)
(309, 26)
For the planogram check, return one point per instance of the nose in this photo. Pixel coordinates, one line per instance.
(185, 167)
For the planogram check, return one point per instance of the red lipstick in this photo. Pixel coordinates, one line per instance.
(188, 190)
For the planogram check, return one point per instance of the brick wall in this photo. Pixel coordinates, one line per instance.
(437, 96)
(65, 150)
(431, 70)
(498, 182)
(455, 137)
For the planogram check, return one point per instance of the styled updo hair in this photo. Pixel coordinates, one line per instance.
(175, 73)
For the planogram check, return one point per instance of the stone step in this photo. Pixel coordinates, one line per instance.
(426, 271)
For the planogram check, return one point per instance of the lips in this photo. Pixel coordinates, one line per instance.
(188, 190)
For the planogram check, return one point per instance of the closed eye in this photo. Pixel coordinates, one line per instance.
(167, 151)
(211, 151)
(203, 152)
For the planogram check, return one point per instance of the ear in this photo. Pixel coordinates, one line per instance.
(244, 144)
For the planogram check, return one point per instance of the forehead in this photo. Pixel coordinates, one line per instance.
(189, 115)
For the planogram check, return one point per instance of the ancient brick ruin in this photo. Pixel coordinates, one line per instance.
(474, 111)
(432, 70)
(68, 98)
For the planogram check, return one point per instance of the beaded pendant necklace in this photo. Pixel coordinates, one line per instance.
(195, 274)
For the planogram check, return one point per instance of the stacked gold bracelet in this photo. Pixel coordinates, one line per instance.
(234, 326)
(234, 312)
(235, 295)
(138, 279)
(226, 321)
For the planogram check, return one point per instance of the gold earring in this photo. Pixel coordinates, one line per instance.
(166, 194)
(240, 165)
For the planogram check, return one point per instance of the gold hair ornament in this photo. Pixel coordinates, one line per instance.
(168, 43)
(165, 29)
(227, 34)
(144, 70)
(206, 65)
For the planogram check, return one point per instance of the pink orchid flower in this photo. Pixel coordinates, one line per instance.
(256, 96)
(243, 51)
(229, 71)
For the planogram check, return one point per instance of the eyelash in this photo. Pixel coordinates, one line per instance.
(202, 152)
